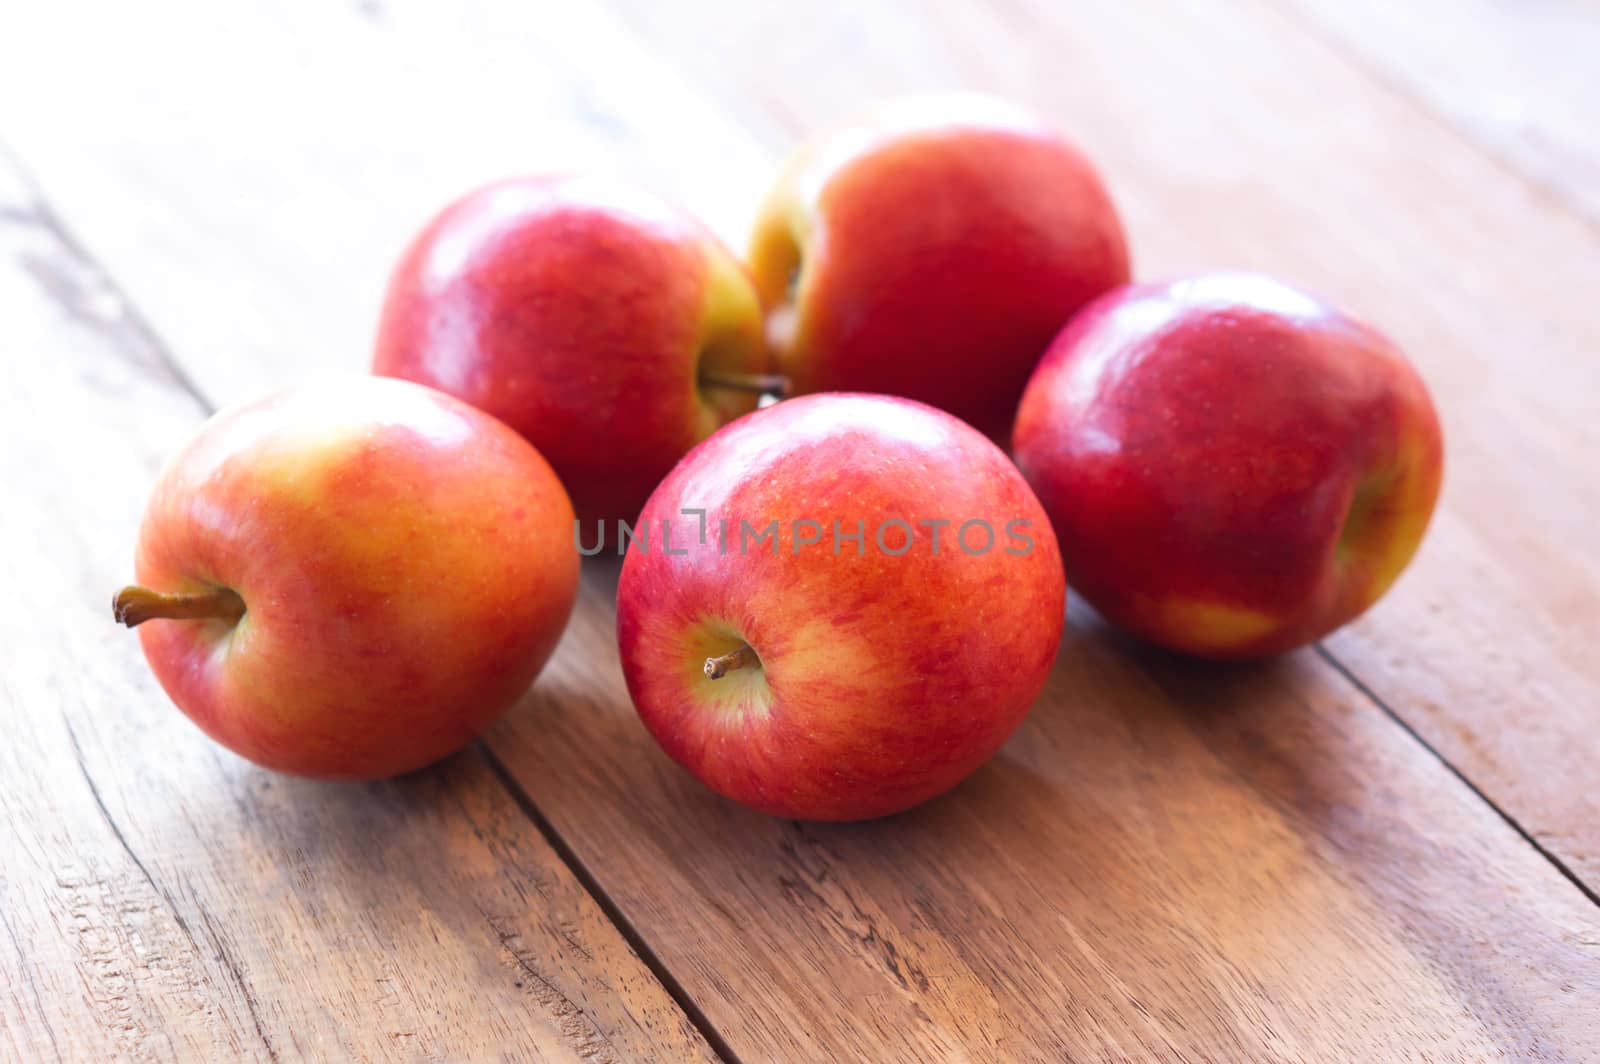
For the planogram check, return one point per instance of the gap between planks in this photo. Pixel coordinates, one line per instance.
(772, 110)
(667, 978)
(136, 276)
(46, 217)
(53, 221)
(1371, 696)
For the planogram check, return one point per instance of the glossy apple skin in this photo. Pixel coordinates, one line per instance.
(406, 564)
(940, 243)
(578, 311)
(1233, 467)
(884, 679)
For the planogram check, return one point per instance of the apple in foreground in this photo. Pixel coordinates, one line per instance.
(864, 611)
(1233, 467)
(351, 579)
(933, 249)
(608, 327)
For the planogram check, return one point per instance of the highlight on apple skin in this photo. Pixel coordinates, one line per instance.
(932, 249)
(1233, 467)
(353, 578)
(610, 328)
(824, 679)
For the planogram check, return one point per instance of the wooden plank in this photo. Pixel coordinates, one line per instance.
(256, 171)
(164, 900)
(263, 253)
(1245, 141)
(1168, 860)
(1518, 79)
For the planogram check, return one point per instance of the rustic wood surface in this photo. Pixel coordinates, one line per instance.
(161, 900)
(1518, 79)
(1384, 848)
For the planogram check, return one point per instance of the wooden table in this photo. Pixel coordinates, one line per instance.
(1386, 847)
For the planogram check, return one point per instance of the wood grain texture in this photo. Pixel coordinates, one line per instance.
(317, 182)
(1243, 140)
(164, 900)
(1168, 861)
(250, 172)
(1518, 79)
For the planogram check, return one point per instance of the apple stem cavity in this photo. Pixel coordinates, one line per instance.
(134, 605)
(744, 657)
(755, 383)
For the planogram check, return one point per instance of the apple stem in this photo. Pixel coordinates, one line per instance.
(134, 605)
(744, 657)
(755, 383)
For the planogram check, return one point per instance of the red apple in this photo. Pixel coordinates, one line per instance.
(1233, 467)
(608, 327)
(352, 579)
(932, 250)
(809, 673)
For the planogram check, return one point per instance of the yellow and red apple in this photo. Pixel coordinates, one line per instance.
(933, 249)
(351, 579)
(610, 328)
(1232, 466)
(846, 603)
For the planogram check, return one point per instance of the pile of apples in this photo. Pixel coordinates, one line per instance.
(835, 605)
